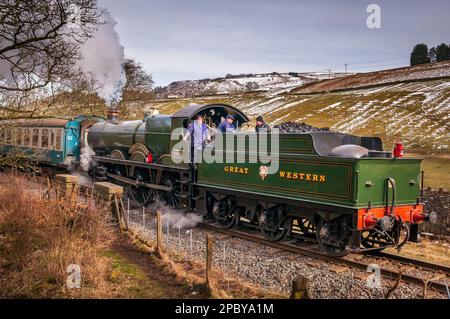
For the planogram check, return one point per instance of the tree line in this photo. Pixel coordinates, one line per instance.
(421, 54)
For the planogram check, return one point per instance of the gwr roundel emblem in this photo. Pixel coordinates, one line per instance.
(263, 171)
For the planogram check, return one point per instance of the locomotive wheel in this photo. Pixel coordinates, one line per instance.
(210, 200)
(322, 232)
(227, 216)
(306, 227)
(277, 232)
(116, 169)
(170, 197)
(228, 220)
(141, 195)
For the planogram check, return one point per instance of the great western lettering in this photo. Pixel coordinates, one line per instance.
(236, 170)
(310, 177)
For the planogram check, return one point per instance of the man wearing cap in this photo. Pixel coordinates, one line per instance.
(261, 126)
(227, 125)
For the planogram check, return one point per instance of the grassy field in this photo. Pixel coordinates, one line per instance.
(437, 172)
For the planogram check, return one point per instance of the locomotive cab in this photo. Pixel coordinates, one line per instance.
(213, 115)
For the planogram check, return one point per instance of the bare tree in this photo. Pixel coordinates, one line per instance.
(139, 85)
(39, 47)
(138, 89)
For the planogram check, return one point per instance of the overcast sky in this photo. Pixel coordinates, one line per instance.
(192, 39)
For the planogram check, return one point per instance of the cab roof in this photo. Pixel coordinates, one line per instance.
(193, 109)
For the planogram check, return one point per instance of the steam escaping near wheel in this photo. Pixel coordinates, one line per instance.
(86, 160)
(177, 219)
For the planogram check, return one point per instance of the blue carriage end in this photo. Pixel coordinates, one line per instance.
(52, 141)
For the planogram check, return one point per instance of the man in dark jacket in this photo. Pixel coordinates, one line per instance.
(227, 125)
(261, 126)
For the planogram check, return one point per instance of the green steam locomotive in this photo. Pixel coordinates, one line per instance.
(344, 191)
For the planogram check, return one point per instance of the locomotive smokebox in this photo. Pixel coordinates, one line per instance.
(112, 115)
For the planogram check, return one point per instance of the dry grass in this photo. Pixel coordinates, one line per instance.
(40, 238)
(431, 251)
(437, 172)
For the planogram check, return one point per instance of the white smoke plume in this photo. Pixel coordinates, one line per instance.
(176, 218)
(86, 158)
(101, 57)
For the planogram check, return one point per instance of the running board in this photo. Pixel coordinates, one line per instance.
(105, 159)
(135, 183)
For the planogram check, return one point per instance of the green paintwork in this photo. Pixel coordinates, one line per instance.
(405, 171)
(153, 132)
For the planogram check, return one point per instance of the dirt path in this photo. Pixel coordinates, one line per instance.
(141, 278)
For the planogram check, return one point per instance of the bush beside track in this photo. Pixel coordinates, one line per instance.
(40, 237)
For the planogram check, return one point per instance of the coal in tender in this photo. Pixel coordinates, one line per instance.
(295, 128)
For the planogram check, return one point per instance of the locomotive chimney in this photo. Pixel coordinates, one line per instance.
(112, 115)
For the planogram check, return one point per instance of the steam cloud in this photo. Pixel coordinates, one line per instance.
(177, 219)
(86, 158)
(101, 57)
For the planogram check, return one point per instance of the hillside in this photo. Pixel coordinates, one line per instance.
(275, 83)
(417, 113)
(361, 80)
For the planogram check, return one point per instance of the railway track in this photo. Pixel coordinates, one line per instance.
(350, 260)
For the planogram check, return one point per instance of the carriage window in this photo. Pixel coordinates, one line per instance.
(26, 137)
(35, 138)
(44, 141)
(58, 139)
(52, 139)
(17, 136)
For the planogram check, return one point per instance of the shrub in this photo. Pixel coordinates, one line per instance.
(40, 238)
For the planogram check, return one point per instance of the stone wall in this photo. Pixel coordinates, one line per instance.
(438, 201)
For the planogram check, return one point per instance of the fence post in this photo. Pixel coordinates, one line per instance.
(159, 239)
(66, 184)
(209, 256)
(108, 192)
(143, 217)
(300, 288)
